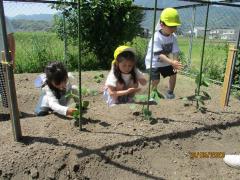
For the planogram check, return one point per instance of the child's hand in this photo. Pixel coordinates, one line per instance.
(176, 65)
(133, 90)
(70, 111)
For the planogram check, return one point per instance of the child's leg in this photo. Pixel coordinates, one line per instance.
(155, 83)
(169, 71)
(112, 100)
(172, 82)
(155, 77)
(42, 108)
(119, 87)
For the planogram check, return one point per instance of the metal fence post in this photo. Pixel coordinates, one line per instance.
(202, 55)
(80, 63)
(150, 70)
(12, 97)
(191, 37)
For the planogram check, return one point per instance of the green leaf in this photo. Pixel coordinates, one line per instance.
(147, 113)
(205, 83)
(185, 99)
(98, 80)
(93, 92)
(76, 115)
(156, 95)
(69, 95)
(202, 102)
(141, 98)
(197, 79)
(85, 104)
(85, 91)
(206, 94)
(198, 98)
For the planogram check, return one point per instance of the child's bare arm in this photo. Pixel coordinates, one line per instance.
(174, 62)
(115, 93)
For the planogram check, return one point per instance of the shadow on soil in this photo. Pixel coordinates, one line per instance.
(22, 115)
(101, 152)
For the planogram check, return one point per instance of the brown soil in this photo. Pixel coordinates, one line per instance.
(116, 143)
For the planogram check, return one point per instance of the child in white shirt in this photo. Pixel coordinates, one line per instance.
(54, 87)
(165, 51)
(124, 77)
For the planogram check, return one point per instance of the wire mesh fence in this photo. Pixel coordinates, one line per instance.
(221, 31)
(37, 42)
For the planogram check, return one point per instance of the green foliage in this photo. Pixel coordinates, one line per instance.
(145, 113)
(214, 62)
(215, 56)
(84, 105)
(140, 45)
(156, 95)
(204, 81)
(236, 75)
(35, 50)
(202, 96)
(88, 92)
(104, 25)
(98, 78)
(183, 60)
(198, 97)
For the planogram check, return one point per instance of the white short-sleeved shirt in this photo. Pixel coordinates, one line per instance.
(164, 44)
(112, 80)
(9, 31)
(48, 99)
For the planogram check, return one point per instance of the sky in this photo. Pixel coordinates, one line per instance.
(12, 9)
(18, 8)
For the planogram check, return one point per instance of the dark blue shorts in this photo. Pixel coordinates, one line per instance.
(164, 71)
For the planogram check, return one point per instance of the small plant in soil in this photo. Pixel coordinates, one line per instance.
(84, 106)
(89, 92)
(201, 97)
(236, 94)
(155, 95)
(144, 112)
(98, 78)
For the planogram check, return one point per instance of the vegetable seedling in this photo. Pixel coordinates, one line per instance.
(98, 78)
(203, 95)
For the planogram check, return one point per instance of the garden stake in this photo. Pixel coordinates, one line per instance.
(79, 64)
(150, 70)
(202, 55)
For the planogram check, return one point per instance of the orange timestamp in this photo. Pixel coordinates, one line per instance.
(195, 155)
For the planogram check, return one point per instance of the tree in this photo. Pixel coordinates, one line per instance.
(105, 24)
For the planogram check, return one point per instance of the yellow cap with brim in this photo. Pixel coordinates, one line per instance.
(170, 17)
(122, 49)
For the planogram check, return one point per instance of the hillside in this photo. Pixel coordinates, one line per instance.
(34, 17)
(24, 25)
(217, 15)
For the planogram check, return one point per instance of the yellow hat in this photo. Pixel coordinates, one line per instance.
(122, 49)
(170, 17)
